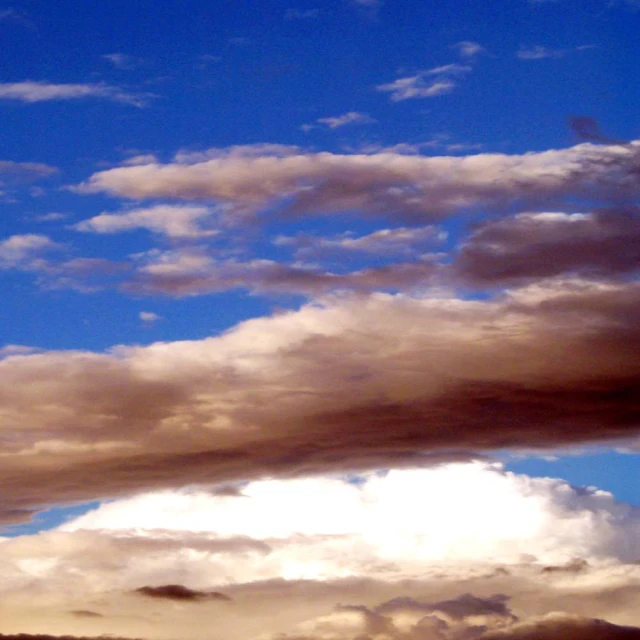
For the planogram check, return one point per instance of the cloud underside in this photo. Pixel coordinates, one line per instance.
(355, 382)
(478, 607)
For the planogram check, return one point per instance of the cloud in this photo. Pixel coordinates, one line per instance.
(349, 118)
(38, 91)
(149, 318)
(18, 172)
(382, 525)
(121, 60)
(415, 188)
(172, 221)
(180, 592)
(192, 272)
(25, 251)
(538, 52)
(353, 382)
(589, 129)
(432, 621)
(469, 49)
(412, 87)
(399, 241)
(530, 246)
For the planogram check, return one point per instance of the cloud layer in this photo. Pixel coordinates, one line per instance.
(362, 381)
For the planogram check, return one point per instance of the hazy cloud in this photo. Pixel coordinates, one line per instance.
(37, 91)
(349, 118)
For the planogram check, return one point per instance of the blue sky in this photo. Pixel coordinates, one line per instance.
(247, 240)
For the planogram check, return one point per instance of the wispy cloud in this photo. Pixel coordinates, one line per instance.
(335, 122)
(122, 60)
(539, 52)
(427, 83)
(416, 87)
(12, 172)
(469, 49)
(39, 91)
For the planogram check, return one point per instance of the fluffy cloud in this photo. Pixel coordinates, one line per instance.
(36, 91)
(361, 381)
(25, 251)
(415, 188)
(392, 525)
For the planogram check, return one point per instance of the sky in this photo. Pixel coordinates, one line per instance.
(320, 320)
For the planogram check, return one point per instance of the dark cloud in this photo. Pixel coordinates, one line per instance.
(361, 382)
(528, 247)
(180, 592)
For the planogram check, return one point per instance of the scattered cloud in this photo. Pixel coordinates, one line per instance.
(122, 60)
(416, 87)
(349, 118)
(25, 251)
(149, 318)
(468, 49)
(12, 173)
(37, 91)
(538, 52)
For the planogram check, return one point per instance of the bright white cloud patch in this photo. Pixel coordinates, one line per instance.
(395, 524)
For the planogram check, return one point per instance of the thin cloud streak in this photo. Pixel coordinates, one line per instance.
(37, 91)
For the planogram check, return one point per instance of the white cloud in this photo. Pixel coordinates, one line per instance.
(415, 87)
(469, 49)
(173, 221)
(395, 525)
(36, 91)
(149, 318)
(25, 251)
(349, 118)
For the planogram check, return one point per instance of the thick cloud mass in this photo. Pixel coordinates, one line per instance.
(356, 382)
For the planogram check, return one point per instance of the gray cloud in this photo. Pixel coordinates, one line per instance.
(527, 247)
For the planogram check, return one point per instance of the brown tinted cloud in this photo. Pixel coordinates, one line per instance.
(366, 381)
